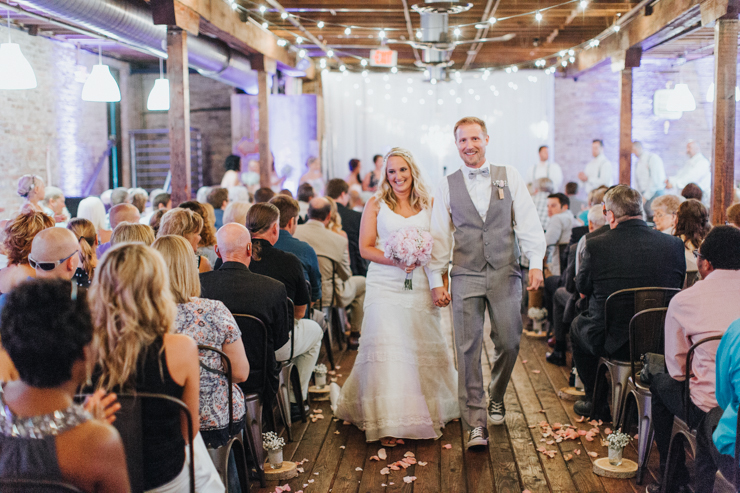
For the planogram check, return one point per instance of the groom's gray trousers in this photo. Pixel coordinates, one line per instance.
(500, 291)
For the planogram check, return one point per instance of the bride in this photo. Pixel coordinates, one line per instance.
(403, 383)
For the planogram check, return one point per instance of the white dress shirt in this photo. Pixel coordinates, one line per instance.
(649, 174)
(599, 172)
(546, 170)
(527, 226)
(696, 170)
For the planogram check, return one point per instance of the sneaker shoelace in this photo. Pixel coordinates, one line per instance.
(496, 407)
(476, 433)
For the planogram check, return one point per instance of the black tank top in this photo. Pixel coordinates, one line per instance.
(164, 445)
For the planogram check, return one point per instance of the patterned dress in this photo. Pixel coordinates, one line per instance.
(210, 323)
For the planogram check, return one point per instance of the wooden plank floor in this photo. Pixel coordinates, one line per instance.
(337, 458)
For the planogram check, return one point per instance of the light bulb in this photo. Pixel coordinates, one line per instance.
(320, 25)
(418, 34)
(284, 15)
(394, 70)
(342, 68)
(347, 31)
(15, 71)
(381, 34)
(514, 68)
(302, 53)
(322, 63)
(457, 31)
(584, 4)
(281, 42)
(492, 20)
(265, 25)
(538, 16)
(263, 9)
(572, 59)
(298, 40)
(364, 73)
(616, 28)
(564, 63)
(330, 53)
(159, 97)
(433, 81)
(363, 62)
(571, 52)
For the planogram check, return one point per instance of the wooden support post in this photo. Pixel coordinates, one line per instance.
(625, 126)
(263, 99)
(725, 79)
(179, 114)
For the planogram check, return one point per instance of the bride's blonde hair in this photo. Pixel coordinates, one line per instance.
(420, 197)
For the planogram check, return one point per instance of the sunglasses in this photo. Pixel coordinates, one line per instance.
(47, 266)
(697, 255)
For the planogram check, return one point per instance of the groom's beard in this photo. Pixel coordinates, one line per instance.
(473, 160)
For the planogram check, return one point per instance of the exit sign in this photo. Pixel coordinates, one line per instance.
(383, 58)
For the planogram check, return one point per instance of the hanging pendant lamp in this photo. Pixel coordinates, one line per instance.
(15, 71)
(159, 97)
(681, 99)
(100, 85)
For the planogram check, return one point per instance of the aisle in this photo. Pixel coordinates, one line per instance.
(338, 459)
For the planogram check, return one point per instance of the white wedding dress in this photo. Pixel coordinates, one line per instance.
(403, 383)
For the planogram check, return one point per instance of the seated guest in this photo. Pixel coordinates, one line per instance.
(263, 223)
(595, 197)
(285, 191)
(692, 191)
(305, 194)
(559, 227)
(188, 224)
(705, 309)
(134, 314)
(350, 290)
(47, 332)
(19, 233)
(239, 193)
(210, 323)
(118, 196)
(155, 220)
(576, 205)
(263, 195)
(236, 212)
(138, 198)
(338, 190)
(54, 205)
(692, 225)
(132, 233)
(92, 209)
(356, 202)
(566, 292)
(54, 254)
(218, 198)
(335, 220)
(733, 215)
(119, 213)
(244, 292)
(665, 208)
(543, 187)
(286, 242)
(161, 202)
(84, 231)
(207, 243)
(629, 255)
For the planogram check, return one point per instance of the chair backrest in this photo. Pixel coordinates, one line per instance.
(18, 485)
(310, 297)
(622, 305)
(129, 423)
(688, 373)
(225, 373)
(328, 269)
(647, 335)
(255, 336)
(291, 326)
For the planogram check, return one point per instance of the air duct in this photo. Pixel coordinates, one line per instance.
(131, 21)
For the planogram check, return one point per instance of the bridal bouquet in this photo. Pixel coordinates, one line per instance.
(410, 246)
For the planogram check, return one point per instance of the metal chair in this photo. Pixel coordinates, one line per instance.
(646, 336)
(682, 431)
(129, 423)
(336, 315)
(290, 381)
(253, 402)
(327, 339)
(24, 485)
(623, 303)
(220, 455)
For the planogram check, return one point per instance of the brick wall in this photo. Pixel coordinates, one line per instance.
(588, 108)
(210, 112)
(52, 119)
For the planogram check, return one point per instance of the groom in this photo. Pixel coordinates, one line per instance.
(489, 213)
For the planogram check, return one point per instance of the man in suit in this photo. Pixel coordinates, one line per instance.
(629, 255)
(338, 190)
(333, 253)
(244, 292)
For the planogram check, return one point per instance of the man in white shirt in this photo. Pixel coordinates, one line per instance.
(696, 170)
(476, 207)
(599, 170)
(649, 172)
(559, 228)
(546, 169)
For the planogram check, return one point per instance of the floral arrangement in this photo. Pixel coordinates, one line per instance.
(411, 246)
(618, 440)
(270, 441)
(537, 314)
(320, 369)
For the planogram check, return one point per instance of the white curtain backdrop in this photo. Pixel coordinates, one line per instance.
(370, 115)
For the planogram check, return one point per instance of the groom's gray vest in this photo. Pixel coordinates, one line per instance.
(477, 242)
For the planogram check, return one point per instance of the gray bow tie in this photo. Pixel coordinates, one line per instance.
(484, 172)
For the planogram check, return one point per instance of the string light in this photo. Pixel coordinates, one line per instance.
(457, 31)
(322, 63)
(584, 4)
(263, 9)
(616, 28)
(538, 16)
(320, 25)
(302, 53)
(348, 31)
(363, 62)
(394, 70)
(265, 25)
(298, 40)
(342, 68)
(284, 15)
(571, 52)
(433, 81)
(330, 53)
(564, 63)
(594, 43)
(281, 42)
(572, 59)
(514, 68)
(418, 34)
(492, 21)
(563, 53)
(381, 34)
(480, 26)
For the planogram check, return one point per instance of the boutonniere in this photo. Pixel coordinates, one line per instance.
(500, 184)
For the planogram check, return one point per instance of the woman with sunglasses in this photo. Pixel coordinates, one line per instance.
(19, 234)
(84, 230)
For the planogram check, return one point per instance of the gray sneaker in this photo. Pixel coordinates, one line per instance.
(478, 438)
(496, 412)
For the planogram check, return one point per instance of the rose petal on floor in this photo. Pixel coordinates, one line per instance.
(593, 454)
(375, 457)
(409, 454)
(447, 446)
(358, 469)
(536, 371)
(343, 447)
(582, 432)
(315, 474)
(300, 470)
(550, 442)
(336, 432)
(311, 480)
(608, 431)
(395, 468)
(409, 479)
(385, 471)
(593, 422)
(577, 451)
(400, 442)
(525, 361)
(382, 454)
(567, 457)
(422, 463)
